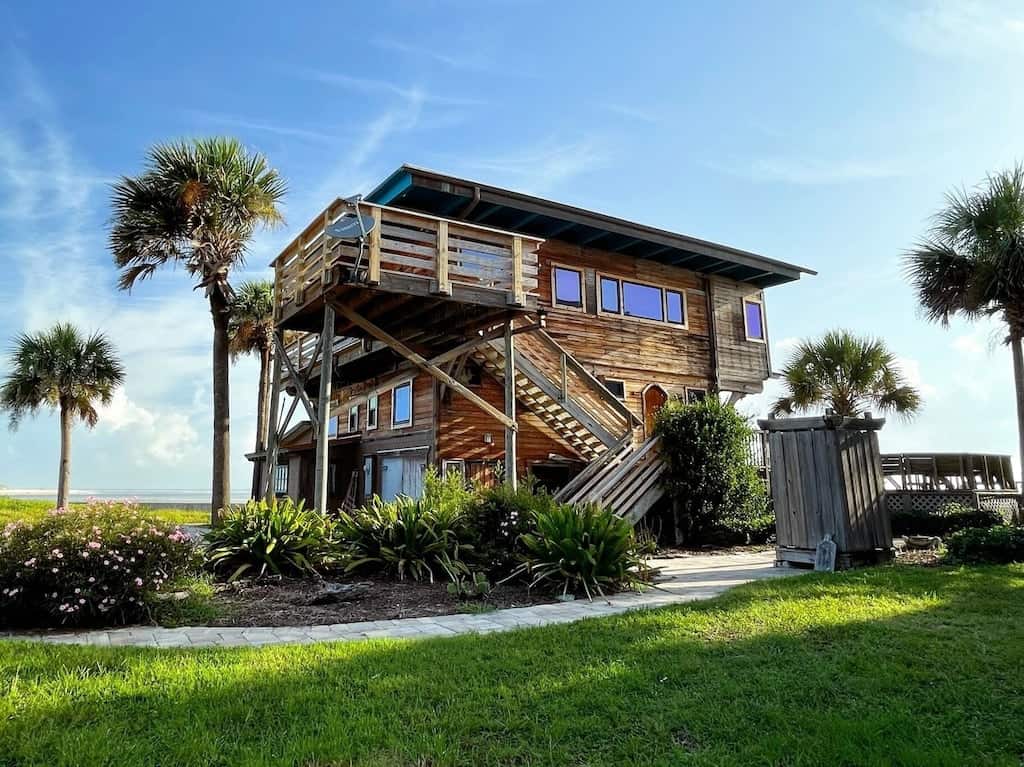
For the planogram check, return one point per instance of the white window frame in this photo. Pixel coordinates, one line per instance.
(282, 471)
(688, 389)
(746, 326)
(618, 381)
(453, 464)
(404, 424)
(372, 406)
(665, 290)
(353, 410)
(583, 288)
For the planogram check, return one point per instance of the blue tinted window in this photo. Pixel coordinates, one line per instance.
(568, 287)
(609, 295)
(642, 301)
(675, 307)
(754, 320)
(401, 414)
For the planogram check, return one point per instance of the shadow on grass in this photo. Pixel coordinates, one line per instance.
(886, 666)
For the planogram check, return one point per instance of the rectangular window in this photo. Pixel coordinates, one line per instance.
(371, 412)
(675, 307)
(401, 404)
(456, 465)
(753, 319)
(281, 479)
(610, 295)
(332, 426)
(643, 301)
(353, 419)
(695, 395)
(618, 388)
(568, 287)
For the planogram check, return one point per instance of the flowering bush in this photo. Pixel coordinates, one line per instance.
(98, 564)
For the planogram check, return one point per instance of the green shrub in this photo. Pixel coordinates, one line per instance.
(97, 564)
(1000, 544)
(281, 537)
(948, 519)
(583, 547)
(716, 493)
(498, 517)
(405, 537)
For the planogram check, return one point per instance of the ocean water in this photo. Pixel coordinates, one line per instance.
(143, 496)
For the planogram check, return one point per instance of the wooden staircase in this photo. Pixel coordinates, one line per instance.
(626, 478)
(553, 385)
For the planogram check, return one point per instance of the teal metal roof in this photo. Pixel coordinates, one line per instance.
(441, 195)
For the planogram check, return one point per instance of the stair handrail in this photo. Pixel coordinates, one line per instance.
(593, 468)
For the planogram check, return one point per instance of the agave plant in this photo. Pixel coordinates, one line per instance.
(582, 547)
(281, 537)
(405, 537)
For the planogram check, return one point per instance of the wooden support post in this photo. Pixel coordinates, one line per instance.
(270, 454)
(516, 296)
(444, 285)
(324, 410)
(565, 376)
(373, 271)
(325, 249)
(419, 361)
(511, 453)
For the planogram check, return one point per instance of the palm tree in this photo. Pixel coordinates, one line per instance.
(971, 263)
(197, 203)
(61, 368)
(251, 331)
(847, 375)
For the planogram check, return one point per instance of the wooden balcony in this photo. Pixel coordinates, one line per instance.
(406, 254)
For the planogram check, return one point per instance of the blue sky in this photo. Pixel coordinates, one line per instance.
(820, 133)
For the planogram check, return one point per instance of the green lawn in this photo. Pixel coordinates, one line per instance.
(12, 509)
(888, 666)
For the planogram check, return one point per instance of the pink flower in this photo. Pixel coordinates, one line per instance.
(30, 562)
(93, 544)
(138, 581)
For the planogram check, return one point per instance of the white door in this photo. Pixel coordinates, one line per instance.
(390, 477)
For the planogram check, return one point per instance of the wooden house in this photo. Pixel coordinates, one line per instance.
(489, 332)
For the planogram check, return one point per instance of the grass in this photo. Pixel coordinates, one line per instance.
(13, 510)
(889, 666)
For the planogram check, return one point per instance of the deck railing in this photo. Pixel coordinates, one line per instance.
(448, 254)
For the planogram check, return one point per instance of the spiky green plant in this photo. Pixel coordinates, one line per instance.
(848, 375)
(62, 369)
(198, 204)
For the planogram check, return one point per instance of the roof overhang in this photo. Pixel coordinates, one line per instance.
(437, 194)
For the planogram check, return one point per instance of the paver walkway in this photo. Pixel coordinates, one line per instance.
(684, 579)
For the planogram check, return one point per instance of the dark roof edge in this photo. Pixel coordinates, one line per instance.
(401, 178)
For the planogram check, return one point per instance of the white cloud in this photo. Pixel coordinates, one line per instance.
(956, 28)
(631, 112)
(166, 438)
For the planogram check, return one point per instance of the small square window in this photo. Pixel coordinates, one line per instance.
(675, 307)
(610, 295)
(753, 319)
(401, 404)
(695, 395)
(332, 426)
(371, 412)
(353, 418)
(618, 388)
(568, 287)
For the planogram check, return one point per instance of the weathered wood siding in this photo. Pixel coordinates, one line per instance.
(640, 352)
(742, 365)
(462, 425)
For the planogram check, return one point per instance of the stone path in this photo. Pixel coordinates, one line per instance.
(684, 579)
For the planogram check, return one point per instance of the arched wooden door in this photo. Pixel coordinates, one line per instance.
(654, 397)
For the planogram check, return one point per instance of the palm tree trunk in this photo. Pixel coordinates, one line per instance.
(221, 407)
(64, 478)
(1018, 383)
(262, 415)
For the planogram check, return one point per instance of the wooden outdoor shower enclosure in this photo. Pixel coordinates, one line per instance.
(826, 480)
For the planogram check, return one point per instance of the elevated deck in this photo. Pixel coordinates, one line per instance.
(440, 278)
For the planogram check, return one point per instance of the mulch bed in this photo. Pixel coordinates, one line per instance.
(287, 601)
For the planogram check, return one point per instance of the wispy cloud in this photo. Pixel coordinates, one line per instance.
(632, 112)
(469, 61)
(374, 86)
(263, 126)
(952, 28)
(541, 167)
(805, 171)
